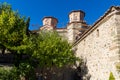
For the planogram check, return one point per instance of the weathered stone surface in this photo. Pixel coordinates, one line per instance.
(101, 49)
(98, 45)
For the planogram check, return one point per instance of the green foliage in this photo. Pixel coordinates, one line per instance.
(118, 67)
(11, 74)
(51, 50)
(13, 36)
(111, 77)
(47, 49)
(26, 70)
(12, 28)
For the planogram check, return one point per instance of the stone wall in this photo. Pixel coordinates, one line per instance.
(72, 30)
(62, 33)
(101, 48)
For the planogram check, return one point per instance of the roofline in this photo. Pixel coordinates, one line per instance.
(77, 11)
(50, 17)
(86, 33)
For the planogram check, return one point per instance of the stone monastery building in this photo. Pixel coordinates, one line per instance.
(98, 45)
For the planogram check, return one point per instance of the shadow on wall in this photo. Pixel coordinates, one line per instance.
(81, 72)
(65, 73)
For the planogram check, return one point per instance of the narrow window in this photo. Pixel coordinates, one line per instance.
(97, 32)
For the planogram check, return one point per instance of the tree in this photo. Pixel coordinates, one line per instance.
(44, 50)
(50, 51)
(13, 33)
(13, 28)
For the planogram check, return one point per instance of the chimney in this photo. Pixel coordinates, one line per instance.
(76, 16)
(50, 22)
(76, 25)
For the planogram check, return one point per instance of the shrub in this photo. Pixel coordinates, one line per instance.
(111, 77)
(9, 73)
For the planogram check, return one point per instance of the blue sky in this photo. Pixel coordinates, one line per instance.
(60, 9)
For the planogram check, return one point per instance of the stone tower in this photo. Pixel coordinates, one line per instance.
(49, 23)
(76, 25)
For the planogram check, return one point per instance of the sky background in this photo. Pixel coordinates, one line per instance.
(37, 9)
